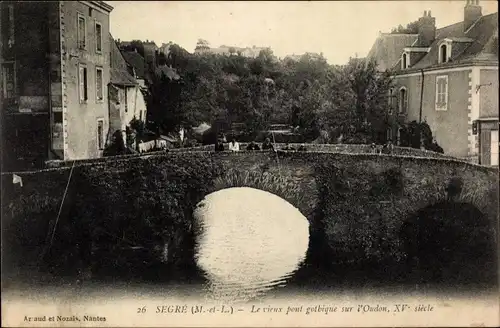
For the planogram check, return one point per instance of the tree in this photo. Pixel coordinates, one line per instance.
(116, 146)
(178, 57)
(165, 109)
(416, 135)
(366, 99)
(202, 45)
(309, 94)
(411, 28)
(135, 45)
(139, 127)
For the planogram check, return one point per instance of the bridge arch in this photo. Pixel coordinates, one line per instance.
(246, 237)
(451, 242)
(280, 185)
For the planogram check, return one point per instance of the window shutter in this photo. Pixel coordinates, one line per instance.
(445, 92)
(81, 32)
(99, 87)
(9, 81)
(126, 100)
(82, 84)
(98, 30)
(442, 91)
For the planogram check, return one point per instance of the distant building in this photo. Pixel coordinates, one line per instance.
(165, 48)
(447, 77)
(55, 69)
(250, 52)
(150, 53)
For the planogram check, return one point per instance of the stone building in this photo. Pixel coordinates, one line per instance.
(249, 52)
(55, 71)
(447, 77)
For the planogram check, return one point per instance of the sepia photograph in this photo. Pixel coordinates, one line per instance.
(249, 163)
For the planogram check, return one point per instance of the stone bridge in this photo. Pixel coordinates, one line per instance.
(361, 206)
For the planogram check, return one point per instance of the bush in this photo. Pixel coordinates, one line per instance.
(416, 134)
(116, 146)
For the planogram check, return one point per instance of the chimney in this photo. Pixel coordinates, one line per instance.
(426, 29)
(472, 12)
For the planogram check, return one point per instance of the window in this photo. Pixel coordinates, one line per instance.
(98, 36)
(444, 52)
(389, 134)
(126, 100)
(82, 80)
(403, 100)
(82, 32)
(404, 61)
(9, 82)
(390, 101)
(57, 117)
(99, 84)
(100, 133)
(442, 93)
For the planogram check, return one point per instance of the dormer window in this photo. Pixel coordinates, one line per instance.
(444, 52)
(405, 61)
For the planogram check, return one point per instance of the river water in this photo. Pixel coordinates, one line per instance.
(248, 242)
(253, 245)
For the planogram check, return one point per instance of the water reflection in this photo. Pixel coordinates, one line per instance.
(248, 242)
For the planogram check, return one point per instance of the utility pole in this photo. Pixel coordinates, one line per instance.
(421, 105)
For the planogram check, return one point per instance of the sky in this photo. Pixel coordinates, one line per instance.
(338, 29)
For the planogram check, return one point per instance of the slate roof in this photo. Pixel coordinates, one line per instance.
(135, 60)
(169, 72)
(118, 67)
(388, 48)
(477, 36)
(120, 77)
(478, 44)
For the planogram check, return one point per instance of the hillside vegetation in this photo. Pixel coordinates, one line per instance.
(306, 93)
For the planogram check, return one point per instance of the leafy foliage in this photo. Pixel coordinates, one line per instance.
(411, 28)
(308, 94)
(134, 45)
(416, 135)
(116, 146)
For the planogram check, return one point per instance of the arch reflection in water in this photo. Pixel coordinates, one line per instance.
(248, 241)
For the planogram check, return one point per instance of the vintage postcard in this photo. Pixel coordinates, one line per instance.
(246, 163)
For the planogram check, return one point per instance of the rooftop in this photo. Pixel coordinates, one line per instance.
(478, 43)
